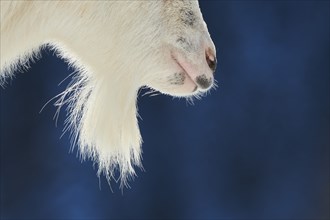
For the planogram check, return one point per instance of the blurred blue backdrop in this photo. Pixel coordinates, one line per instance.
(256, 148)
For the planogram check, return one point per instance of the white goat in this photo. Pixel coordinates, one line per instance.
(116, 47)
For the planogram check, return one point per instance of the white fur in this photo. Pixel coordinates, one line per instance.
(116, 47)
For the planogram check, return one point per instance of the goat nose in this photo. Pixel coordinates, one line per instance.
(212, 62)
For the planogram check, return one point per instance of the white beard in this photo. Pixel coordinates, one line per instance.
(116, 48)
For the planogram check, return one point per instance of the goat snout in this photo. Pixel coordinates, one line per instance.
(199, 68)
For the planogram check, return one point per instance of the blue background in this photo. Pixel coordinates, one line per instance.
(256, 148)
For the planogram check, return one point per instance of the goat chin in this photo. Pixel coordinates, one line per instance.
(115, 47)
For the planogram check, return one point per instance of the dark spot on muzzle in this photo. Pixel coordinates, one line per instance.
(203, 82)
(181, 40)
(177, 79)
(188, 17)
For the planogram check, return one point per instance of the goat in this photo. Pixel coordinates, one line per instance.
(116, 47)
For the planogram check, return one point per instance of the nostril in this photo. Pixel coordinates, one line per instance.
(212, 62)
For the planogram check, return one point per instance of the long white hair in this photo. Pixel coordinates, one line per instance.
(116, 47)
